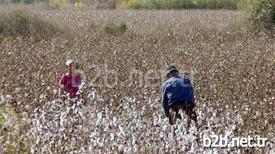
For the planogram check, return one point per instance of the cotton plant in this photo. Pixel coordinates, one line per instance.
(70, 126)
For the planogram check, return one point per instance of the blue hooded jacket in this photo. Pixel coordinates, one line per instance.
(176, 90)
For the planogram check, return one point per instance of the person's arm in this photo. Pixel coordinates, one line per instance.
(61, 83)
(60, 91)
(78, 80)
(78, 84)
(165, 99)
(192, 91)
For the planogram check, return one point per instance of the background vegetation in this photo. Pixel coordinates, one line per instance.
(112, 27)
(180, 4)
(262, 14)
(20, 23)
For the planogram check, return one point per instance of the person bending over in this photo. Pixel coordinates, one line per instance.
(177, 94)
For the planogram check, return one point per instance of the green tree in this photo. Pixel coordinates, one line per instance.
(262, 13)
(28, 1)
(15, 1)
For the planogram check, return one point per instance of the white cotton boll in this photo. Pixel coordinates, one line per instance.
(214, 151)
(67, 110)
(210, 109)
(2, 100)
(55, 92)
(98, 122)
(156, 121)
(161, 134)
(165, 121)
(120, 148)
(171, 136)
(165, 127)
(133, 139)
(81, 114)
(212, 121)
(100, 144)
(239, 119)
(135, 149)
(79, 103)
(200, 114)
(119, 135)
(74, 106)
(92, 135)
(37, 123)
(193, 130)
(32, 148)
(128, 150)
(37, 141)
(75, 110)
(144, 108)
(25, 116)
(233, 127)
(8, 97)
(160, 120)
(28, 107)
(99, 115)
(33, 122)
(62, 118)
(105, 122)
(121, 130)
(214, 114)
(112, 136)
(42, 96)
(43, 116)
(31, 132)
(81, 85)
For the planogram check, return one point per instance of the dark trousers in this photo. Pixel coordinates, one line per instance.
(186, 107)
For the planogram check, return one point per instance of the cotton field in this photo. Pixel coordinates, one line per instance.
(231, 67)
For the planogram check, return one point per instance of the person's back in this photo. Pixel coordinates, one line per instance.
(178, 89)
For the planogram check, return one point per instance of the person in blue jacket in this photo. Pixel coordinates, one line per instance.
(177, 94)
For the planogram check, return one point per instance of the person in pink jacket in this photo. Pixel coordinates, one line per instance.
(70, 81)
